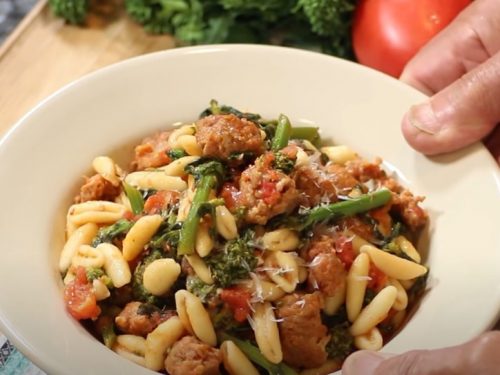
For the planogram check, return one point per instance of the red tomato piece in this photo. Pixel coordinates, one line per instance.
(386, 34)
(378, 279)
(79, 297)
(345, 251)
(238, 300)
(159, 201)
(270, 194)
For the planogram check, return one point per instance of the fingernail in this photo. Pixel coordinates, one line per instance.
(423, 118)
(363, 362)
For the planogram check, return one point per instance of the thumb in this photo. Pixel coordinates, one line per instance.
(461, 114)
(478, 357)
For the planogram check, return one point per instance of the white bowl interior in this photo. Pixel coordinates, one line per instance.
(44, 156)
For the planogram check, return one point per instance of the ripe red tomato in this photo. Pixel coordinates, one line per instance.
(80, 299)
(238, 300)
(386, 34)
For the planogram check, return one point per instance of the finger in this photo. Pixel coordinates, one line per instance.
(464, 44)
(478, 357)
(461, 114)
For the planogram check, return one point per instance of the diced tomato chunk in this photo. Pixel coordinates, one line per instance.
(238, 300)
(160, 201)
(378, 279)
(79, 297)
(345, 251)
(270, 194)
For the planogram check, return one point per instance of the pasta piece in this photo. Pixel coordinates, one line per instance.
(98, 212)
(357, 279)
(160, 275)
(282, 239)
(81, 236)
(123, 200)
(101, 291)
(402, 298)
(398, 319)
(372, 340)
(189, 144)
(266, 332)
(156, 180)
(302, 265)
(408, 248)
(392, 265)
(235, 362)
(185, 205)
(115, 266)
(69, 277)
(263, 290)
(282, 268)
(200, 268)
(333, 303)
(302, 158)
(106, 167)
(225, 223)
(131, 347)
(204, 242)
(339, 154)
(139, 235)
(160, 340)
(407, 284)
(194, 317)
(356, 241)
(177, 167)
(88, 257)
(174, 136)
(375, 311)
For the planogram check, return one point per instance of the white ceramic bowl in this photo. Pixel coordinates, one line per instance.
(43, 157)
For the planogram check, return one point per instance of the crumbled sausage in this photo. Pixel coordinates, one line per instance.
(327, 274)
(193, 357)
(341, 178)
(140, 319)
(303, 335)
(314, 186)
(222, 135)
(266, 192)
(152, 152)
(97, 188)
(406, 206)
(363, 170)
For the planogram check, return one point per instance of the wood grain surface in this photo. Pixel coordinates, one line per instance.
(43, 54)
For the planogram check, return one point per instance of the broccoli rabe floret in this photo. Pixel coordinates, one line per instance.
(94, 273)
(140, 293)
(196, 286)
(176, 153)
(234, 262)
(73, 11)
(341, 342)
(283, 163)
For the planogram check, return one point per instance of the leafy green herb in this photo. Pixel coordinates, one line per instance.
(73, 11)
(108, 234)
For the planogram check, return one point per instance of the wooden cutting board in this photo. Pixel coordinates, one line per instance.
(43, 54)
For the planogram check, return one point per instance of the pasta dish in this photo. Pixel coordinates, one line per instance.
(241, 245)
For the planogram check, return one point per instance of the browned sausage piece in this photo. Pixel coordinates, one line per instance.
(266, 192)
(303, 335)
(222, 135)
(326, 273)
(97, 188)
(193, 357)
(152, 152)
(140, 319)
(314, 186)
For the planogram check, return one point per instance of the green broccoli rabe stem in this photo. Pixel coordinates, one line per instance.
(108, 335)
(135, 198)
(282, 135)
(305, 132)
(350, 207)
(254, 354)
(187, 237)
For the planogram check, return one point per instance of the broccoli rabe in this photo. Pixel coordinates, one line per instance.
(196, 286)
(283, 163)
(108, 234)
(234, 262)
(341, 342)
(73, 11)
(176, 153)
(94, 273)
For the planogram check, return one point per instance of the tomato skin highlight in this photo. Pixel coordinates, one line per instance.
(238, 301)
(79, 297)
(386, 34)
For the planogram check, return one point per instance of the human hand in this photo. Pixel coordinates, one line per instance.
(460, 68)
(478, 357)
